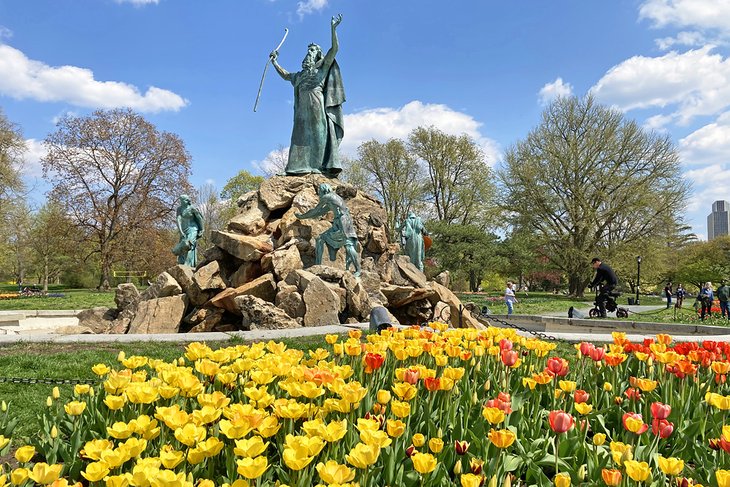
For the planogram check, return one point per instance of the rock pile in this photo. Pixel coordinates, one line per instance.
(260, 274)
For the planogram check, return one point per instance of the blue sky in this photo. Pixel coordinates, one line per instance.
(485, 68)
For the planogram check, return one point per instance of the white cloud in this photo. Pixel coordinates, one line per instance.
(696, 81)
(709, 144)
(139, 3)
(21, 78)
(32, 158)
(383, 124)
(700, 14)
(310, 6)
(658, 122)
(690, 39)
(553, 90)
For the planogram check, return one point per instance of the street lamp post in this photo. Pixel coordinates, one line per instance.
(638, 277)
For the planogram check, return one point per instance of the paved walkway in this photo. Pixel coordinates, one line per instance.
(632, 308)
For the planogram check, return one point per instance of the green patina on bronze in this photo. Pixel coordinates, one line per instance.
(341, 234)
(318, 120)
(190, 225)
(412, 232)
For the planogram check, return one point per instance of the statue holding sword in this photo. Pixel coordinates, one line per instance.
(318, 120)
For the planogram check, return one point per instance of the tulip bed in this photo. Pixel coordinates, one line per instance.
(403, 408)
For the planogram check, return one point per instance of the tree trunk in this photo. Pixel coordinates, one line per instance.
(106, 267)
(576, 285)
(45, 274)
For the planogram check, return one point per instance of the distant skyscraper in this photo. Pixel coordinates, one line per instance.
(718, 222)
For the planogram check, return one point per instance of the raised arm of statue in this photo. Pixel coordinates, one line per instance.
(282, 72)
(330, 56)
(320, 210)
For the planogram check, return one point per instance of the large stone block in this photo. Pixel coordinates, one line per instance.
(126, 295)
(285, 261)
(98, 320)
(247, 272)
(206, 319)
(322, 304)
(184, 275)
(165, 285)
(252, 216)
(263, 288)
(445, 295)
(289, 300)
(410, 271)
(258, 314)
(208, 277)
(242, 246)
(161, 315)
(279, 191)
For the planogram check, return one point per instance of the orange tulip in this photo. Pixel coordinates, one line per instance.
(612, 477)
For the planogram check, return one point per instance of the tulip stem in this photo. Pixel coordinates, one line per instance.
(557, 447)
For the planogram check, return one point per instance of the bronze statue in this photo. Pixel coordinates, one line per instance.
(318, 120)
(412, 232)
(341, 234)
(190, 225)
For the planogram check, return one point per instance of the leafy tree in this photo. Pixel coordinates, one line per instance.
(18, 218)
(588, 182)
(701, 262)
(115, 174)
(459, 183)
(12, 149)
(215, 212)
(393, 175)
(51, 242)
(240, 184)
(467, 251)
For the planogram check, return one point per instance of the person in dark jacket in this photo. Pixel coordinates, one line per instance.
(606, 278)
(723, 294)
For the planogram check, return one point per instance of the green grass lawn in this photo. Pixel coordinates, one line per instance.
(71, 299)
(74, 361)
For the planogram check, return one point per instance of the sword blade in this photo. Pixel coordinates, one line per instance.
(263, 76)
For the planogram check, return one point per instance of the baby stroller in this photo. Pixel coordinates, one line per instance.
(610, 299)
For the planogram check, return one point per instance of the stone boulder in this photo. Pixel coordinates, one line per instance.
(410, 271)
(377, 240)
(263, 288)
(322, 304)
(291, 301)
(205, 319)
(443, 278)
(285, 261)
(98, 320)
(258, 314)
(161, 315)
(242, 246)
(358, 300)
(73, 330)
(300, 278)
(126, 295)
(445, 295)
(251, 217)
(246, 272)
(165, 285)
(278, 192)
(208, 277)
(399, 296)
(184, 275)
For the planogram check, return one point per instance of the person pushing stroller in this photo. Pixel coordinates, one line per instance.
(607, 280)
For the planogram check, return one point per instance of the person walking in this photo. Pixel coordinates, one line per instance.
(723, 294)
(668, 293)
(681, 293)
(706, 297)
(509, 298)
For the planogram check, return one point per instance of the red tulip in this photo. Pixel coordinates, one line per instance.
(633, 394)
(410, 451)
(432, 383)
(598, 353)
(557, 366)
(586, 348)
(560, 421)
(642, 429)
(662, 427)
(411, 376)
(505, 344)
(461, 447)
(660, 410)
(373, 361)
(503, 402)
(509, 357)
(580, 396)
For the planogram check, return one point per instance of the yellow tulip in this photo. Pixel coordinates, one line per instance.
(395, 428)
(404, 391)
(56, 393)
(400, 409)
(170, 457)
(378, 438)
(583, 408)
(168, 478)
(24, 453)
(100, 369)
(722, 477)
(81, 389)
(493, 415)
(502, 438)
(19, 476)
(638, 471)
(296, 459)
(190, 434)
(114, 402)
(621, 452)
(95, 471)
(335, 473)
(251, 447)
(418, 440)
(471, 480)
(562, 480)
(43, 473)
(599, 439)
(362, 455)
(75, 408)
(117, 480)
(383, 396)
(423, 463)
(252, 468)
(436, 445)
(671, 465)
(567, 385)
(607, 386)
(4, 442)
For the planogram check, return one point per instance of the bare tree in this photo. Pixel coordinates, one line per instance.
(275, 162)
(587, 181)
(12, 149)
(216, 212)
(50, 242)
(114, 173)
(460, 184)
